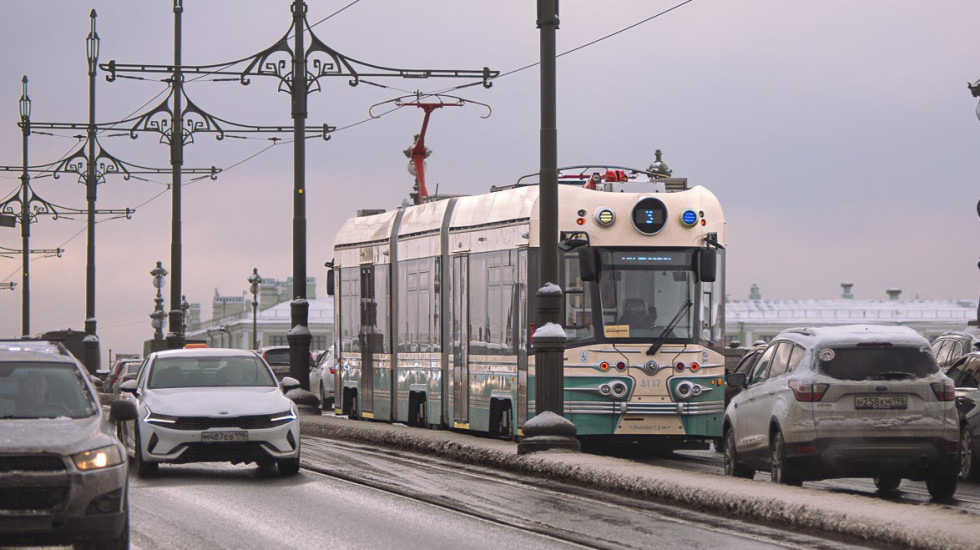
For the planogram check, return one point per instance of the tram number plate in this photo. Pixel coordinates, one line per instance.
(213, 437)
(881, 402)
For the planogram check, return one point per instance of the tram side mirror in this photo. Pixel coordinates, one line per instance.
(587, 263)
(707, 264)
(329, 282)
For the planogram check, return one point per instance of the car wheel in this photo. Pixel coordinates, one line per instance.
(732, 465)
(941, 487)
(887, 484)
(782, 471)
(288, 466)
(143, 468)
(969, 466)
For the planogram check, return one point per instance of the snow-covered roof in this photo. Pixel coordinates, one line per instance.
(845, 311)
(849, 335)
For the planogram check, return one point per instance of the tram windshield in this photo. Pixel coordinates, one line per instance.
(639, 295)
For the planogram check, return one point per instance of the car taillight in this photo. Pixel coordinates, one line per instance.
(945, 390)
(333, 370)
(808, 392)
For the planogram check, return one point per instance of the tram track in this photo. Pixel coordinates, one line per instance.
(436, 482)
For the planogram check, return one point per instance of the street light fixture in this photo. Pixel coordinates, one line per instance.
(254, 279)
(158, 314)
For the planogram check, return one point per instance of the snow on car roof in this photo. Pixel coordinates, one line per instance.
(849, 335)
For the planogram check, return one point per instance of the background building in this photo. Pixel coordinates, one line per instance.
(747, 321)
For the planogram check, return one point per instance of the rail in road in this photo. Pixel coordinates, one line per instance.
(558, 512)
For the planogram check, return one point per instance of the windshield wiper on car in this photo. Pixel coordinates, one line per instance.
(670, 326)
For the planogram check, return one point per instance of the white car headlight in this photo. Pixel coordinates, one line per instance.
(283, 417)
(96, 459)
(162, 419)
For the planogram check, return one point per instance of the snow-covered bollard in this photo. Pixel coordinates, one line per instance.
(549, 430)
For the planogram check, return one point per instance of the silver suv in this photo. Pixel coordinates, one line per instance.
(848, 401)
(63, 476)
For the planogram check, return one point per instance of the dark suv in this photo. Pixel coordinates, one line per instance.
(63, 475)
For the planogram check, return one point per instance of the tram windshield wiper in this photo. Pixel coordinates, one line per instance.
(670, 326)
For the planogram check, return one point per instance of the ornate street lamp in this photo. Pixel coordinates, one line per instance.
(91, 342)
(254, 279)
(24, 104)
(158, 314)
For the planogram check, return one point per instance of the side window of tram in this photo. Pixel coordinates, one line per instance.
(350, 309)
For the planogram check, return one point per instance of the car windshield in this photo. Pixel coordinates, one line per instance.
(200, 372)
(878, 362)
(43, 390)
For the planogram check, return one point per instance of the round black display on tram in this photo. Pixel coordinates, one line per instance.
(649, 216)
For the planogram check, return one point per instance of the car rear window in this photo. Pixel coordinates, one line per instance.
(882, 362)
(277, 357)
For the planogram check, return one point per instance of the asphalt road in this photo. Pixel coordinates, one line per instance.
(357, 496)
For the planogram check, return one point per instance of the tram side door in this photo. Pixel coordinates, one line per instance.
(461, 339)
(369, 311)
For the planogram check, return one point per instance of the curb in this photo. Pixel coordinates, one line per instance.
(850, 517)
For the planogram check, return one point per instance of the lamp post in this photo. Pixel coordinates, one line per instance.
(24, 104)
(91, 341)
(549, 429)
(253, 280)
(158, 314)
(975, 90)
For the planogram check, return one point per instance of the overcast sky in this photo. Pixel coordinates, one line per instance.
(839, 136)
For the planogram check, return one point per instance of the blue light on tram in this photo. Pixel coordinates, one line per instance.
(689, 218)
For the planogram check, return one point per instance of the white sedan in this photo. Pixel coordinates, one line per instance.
(211, 405)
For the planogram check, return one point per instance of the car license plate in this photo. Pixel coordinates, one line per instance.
(212, 437)
(881, 402)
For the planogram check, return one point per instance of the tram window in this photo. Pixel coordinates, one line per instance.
(350, 317)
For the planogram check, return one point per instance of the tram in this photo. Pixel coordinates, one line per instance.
(434, 309)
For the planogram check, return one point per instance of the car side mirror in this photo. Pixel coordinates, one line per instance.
(289, 383)
(129, 386)
(736, 380)
(121, 410)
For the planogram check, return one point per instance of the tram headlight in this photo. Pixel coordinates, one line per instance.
(618, 389)
(605, 216)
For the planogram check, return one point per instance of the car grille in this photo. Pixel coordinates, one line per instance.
(32, 482)
(200, 423)
(223, 452)
(31, 463)
(32, 498)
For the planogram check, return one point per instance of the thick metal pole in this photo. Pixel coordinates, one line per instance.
(548, 429)
(299, 336)
(91, 342)
(175, 336)
(255, 341)
(25, 229)
(548, 395)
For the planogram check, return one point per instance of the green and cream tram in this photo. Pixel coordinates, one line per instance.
(434, 310)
